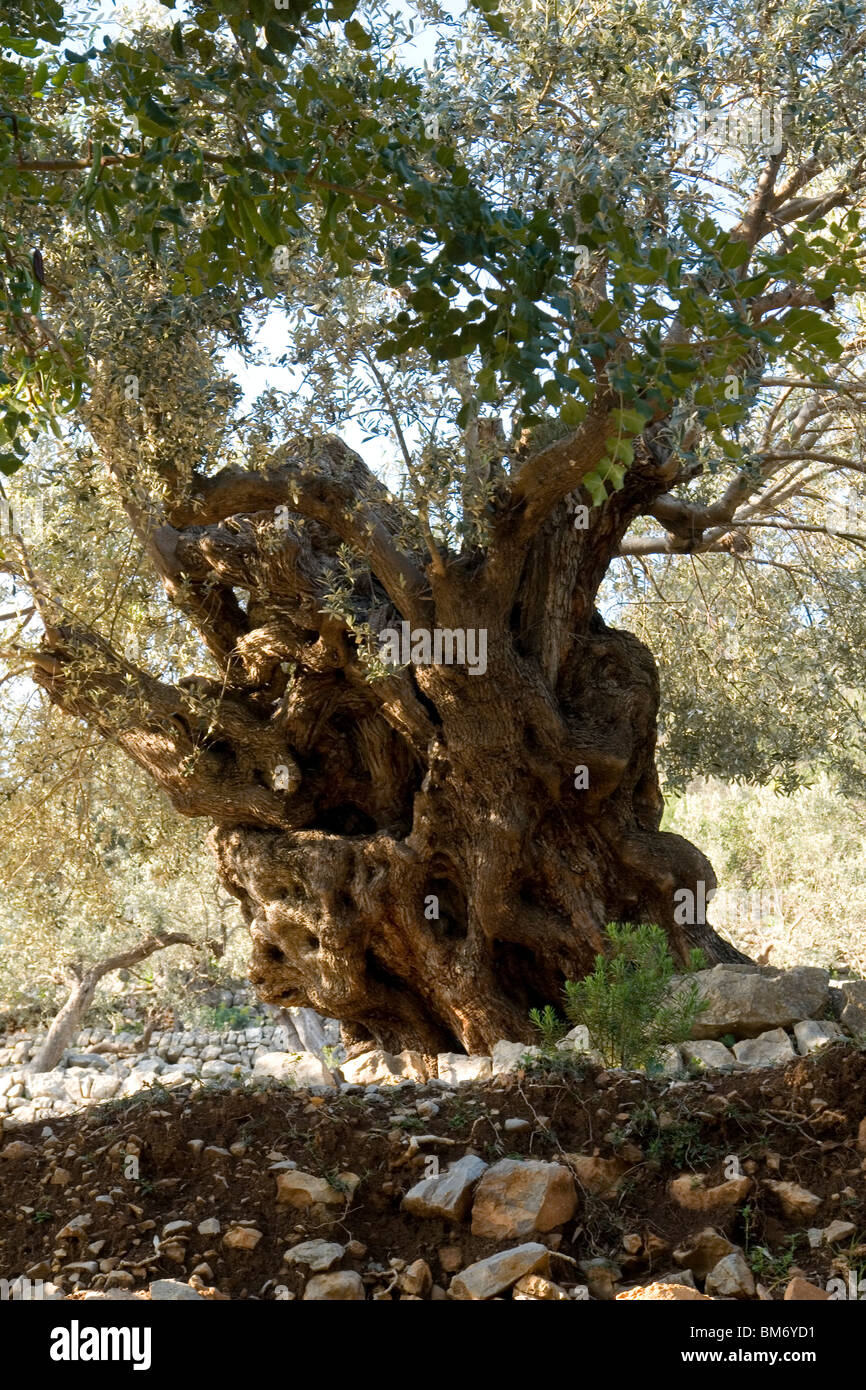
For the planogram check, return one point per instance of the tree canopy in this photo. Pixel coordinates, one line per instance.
(535, 212)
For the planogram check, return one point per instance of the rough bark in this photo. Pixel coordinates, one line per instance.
(416, 856)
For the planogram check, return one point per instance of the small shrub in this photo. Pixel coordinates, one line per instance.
(678, 1145)
(769, 1268)
(626, 1004)
(549, 1025)
(569, 1065)
(226, 1017)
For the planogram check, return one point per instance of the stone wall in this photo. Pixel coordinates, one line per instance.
(755, 1016)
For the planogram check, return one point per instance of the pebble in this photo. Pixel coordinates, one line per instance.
(317, 1255)
(343, 1286)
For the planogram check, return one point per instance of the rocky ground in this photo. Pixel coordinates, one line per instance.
(239, 1169)
(559, 1181)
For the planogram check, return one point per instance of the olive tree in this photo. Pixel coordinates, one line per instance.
(583, 292)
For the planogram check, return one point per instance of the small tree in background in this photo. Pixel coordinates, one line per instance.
(627, 1004)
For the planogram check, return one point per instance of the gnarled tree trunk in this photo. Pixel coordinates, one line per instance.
(469, 886)
(427, 855)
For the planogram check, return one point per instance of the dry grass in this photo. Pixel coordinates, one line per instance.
(791, 870)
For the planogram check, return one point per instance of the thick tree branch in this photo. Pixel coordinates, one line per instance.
(553, 472)
(335, 488)
(212, 758)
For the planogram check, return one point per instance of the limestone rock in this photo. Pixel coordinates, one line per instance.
(765, 1050)
(487, 1278)
(702, 1252)
(416, 1280)
(677, 1276)
(215, 1070)
(343, 1286)
(709, 1055)
(668, 1063)
(509, 1056)
(242, 1238)
(602, 1277)
(800, 1289)
(838, 1231)
(413, 1066)
(294, 1068)
(105, 1087)
(76, 1229)
(298, 1189)
(796, 1202)
(853, 1015)
(380, 1068)
(731, 1278)
(538, 1289)
(747, 1000)
(455, 1066)
(665, 1293)
(87, 1059)
(449, 1195)
(17, 1149)
(51, 1084)
(317, 1255)
(601, 1177)
(517, 1197)
(690, 1192)
(172, 1291)
(814, 1033)
(577, 1040)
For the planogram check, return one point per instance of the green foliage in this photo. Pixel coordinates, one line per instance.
(626, 1003)
(227, 1017)
(223, 135)
(760, 681)
(549, 1025)
(540, 237)
(770, 1269)
(255, 131)
(679, 1145)
(678, 1142)
(773, 1269)
(92, 860)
